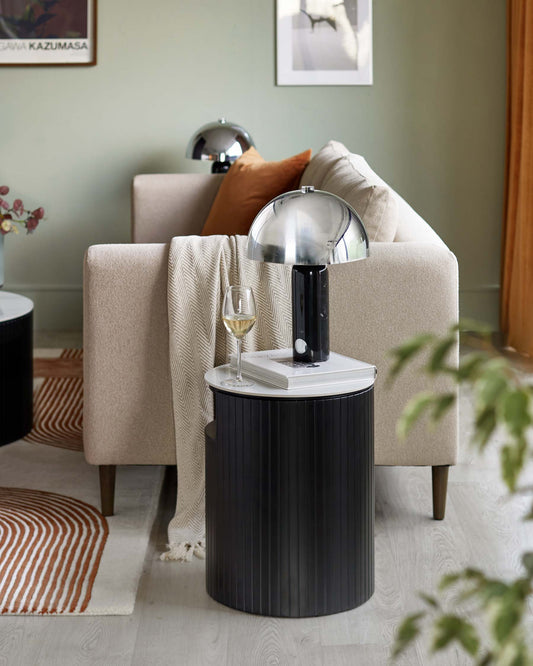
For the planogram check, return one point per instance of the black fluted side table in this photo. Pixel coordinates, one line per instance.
(16, 366)
(290, 498)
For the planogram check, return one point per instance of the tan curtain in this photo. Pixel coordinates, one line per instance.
(516, 315)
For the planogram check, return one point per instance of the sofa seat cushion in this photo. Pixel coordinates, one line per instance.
(249, 185)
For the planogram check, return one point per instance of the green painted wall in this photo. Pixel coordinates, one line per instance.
(432, 125)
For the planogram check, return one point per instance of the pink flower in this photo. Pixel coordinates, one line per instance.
(18, 207)
(4, 204)
(4, 189)
(31, 224)
(38, 213)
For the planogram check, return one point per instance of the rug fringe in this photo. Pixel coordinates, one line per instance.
(184, 551)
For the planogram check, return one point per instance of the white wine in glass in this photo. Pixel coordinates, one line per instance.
(238, 315)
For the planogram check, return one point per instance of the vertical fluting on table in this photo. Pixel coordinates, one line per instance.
(290, 504)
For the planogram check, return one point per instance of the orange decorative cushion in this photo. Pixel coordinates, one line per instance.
(247, 187)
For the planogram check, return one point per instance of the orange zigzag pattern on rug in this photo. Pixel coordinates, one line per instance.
(50, 550)
(58, 409)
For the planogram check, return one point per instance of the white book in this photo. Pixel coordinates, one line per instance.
(278, 368)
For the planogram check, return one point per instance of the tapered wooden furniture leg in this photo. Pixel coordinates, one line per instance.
(107, 488)
(439, 477)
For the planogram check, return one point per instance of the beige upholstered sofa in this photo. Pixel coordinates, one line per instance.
(407, 286)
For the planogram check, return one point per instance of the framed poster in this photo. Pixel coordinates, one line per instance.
(324, 42)
(47, 32)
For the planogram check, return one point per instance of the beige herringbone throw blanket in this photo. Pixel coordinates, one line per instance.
(200, 269)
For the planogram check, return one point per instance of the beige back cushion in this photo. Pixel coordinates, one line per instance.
(386, 215)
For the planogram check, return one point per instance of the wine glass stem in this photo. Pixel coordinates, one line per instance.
(239, 376)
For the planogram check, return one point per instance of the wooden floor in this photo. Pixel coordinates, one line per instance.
(175, 622)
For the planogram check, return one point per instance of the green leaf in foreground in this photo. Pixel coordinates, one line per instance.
(450, 628)
(485, 424)
(407, 351)
(407, 632)
(441, 405)
(516, 411)
(527, 562)
(512, 459)
(440, 352)
(412, 412)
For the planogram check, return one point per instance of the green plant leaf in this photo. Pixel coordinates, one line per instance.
(516, 411)
(414, 409)
(485, 425)
(441, 405)
(492, 383)
(439, 354)
(473, 326)
(429, 599)
(407, 632)
(512, 460)
(407, 351)
(448, 580)
(506, 618)
(451, 627)
(469, 367)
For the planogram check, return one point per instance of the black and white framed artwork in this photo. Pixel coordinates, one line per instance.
(324, 42)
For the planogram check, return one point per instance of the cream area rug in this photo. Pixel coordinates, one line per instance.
(58, 554)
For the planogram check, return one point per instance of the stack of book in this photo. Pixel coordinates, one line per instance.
(276, 367)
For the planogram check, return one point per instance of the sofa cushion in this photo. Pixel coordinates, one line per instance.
(411, 227)
(336, 170)
(250, 184)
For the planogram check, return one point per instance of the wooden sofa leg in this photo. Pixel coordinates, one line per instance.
(107, 488)
(439, 477)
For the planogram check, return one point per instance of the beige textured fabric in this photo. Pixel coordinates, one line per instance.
(167, 205)
(401, 290)
(409, 225)
(197, 343)
(333, 170)
(127, 411)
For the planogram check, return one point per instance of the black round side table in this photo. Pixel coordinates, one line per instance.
(16, 366)
(290, 498)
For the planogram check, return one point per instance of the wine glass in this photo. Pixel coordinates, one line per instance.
(238, 315)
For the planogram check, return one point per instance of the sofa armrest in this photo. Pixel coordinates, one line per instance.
(127, 389)
(403, 289)
(168, 205)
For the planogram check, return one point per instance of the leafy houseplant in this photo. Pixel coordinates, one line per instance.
(12, 218)
(502, 400)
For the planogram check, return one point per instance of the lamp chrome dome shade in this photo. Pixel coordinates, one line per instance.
(220, 141)
(307, 227)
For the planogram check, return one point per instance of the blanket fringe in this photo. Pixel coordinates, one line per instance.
(184, 551)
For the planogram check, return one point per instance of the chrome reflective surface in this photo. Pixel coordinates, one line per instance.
(219, 141)
(307, 227)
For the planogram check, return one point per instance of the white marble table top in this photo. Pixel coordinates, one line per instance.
(13, 306)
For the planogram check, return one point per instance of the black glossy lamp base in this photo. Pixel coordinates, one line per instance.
(310, 313)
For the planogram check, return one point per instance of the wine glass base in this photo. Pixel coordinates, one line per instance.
(237, 383)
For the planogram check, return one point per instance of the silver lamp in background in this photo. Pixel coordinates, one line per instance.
(308, 229)
(221, 142)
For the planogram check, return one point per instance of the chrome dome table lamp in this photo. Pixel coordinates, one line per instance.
(222, 142)
(308, 229)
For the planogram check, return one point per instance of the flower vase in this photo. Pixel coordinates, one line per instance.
(1, 260)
